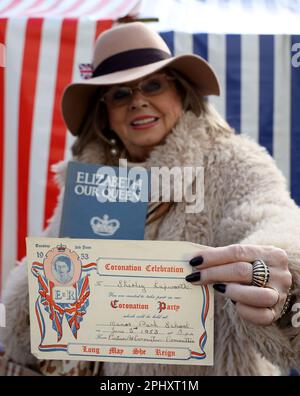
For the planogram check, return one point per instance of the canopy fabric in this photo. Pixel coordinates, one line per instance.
(225, 16)
(93, 9)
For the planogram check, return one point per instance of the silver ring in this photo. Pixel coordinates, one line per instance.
(260, 274)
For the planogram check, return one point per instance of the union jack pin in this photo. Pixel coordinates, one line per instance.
(86, 70)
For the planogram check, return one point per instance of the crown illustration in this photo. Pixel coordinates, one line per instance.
(61, 248)
(104, 226)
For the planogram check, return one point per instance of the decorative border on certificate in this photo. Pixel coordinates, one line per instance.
(203, 337)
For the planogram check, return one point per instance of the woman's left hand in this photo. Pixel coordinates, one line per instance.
(230, 269)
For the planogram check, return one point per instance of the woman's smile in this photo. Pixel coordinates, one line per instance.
(144, 122)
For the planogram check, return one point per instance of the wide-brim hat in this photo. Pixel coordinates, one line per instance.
(126, 53)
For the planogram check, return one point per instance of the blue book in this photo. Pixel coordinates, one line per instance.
(105, 202)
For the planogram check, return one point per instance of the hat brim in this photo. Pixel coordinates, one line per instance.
(77, 97)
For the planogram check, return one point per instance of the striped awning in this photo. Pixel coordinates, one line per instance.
(260, 97)
(93, 9)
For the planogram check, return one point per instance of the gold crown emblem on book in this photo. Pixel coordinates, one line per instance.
(104, 226)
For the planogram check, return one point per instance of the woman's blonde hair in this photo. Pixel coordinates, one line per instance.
(96, 124)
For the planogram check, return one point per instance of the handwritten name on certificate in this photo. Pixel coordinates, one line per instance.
(118, 301)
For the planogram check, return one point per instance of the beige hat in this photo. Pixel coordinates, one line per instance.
(126, 53)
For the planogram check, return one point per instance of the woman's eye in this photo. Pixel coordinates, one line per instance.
(121, 93)
(152, 86)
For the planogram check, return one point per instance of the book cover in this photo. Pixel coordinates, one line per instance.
(104, 202)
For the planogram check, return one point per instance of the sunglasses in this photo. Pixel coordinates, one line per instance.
(121, 94)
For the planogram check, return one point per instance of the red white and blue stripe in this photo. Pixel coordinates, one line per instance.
(203, 337)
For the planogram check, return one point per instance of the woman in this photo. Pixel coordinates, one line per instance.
(146, 106)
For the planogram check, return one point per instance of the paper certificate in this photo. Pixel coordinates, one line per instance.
(118, 301)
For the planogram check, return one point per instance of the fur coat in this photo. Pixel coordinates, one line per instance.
(246, 202)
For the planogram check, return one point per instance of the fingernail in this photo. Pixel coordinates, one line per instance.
(220, 287)
(196, 261)
(193, 277)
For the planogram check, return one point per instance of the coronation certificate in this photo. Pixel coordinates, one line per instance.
(118, 301)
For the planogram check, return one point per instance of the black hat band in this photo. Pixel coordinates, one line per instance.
(130, 59)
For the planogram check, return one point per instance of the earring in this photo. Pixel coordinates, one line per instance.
(113, 150)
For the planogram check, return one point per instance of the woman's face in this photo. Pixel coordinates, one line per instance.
(144, 121)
